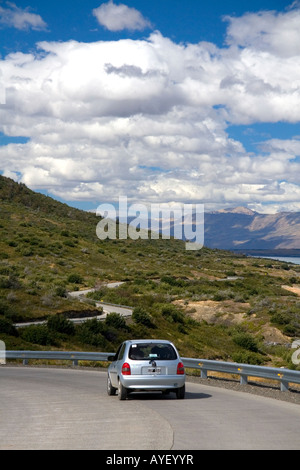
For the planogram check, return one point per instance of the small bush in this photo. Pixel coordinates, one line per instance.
(280, 318)
(248, 358)
(5, 308)
(7, 327)
(97, 294)
(140, 316)
(60, 291)
(92, 332)
(60, 324)
(27, 252)
(172, 281)
(226, 294)
(246, 341)
(291, 330)
(75, 279)
(38, 334)
(115, 320)
(10, 282)
(171, 313)
(69, 243)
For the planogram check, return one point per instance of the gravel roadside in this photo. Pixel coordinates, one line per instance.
(256, 388)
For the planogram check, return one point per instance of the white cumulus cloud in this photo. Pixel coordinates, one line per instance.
(148, 118)
(22, 19)
(270, 31)
(119, 17)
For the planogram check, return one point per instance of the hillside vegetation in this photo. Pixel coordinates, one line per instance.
(212, 303)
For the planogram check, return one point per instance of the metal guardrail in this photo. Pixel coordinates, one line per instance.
(284, 376)
(58, 356)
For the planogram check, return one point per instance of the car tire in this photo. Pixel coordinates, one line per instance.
(180, 392)
(122, 391)
(110, 389)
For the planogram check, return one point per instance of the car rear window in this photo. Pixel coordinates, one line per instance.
(152, 351)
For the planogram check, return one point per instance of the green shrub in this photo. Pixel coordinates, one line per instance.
(10, 282)
(92, 332)
(223, 295)
(27, 252)
(280, 318)
(140, 316)
(97, 294)
(115, 320)
(171, 313)
(61, 324)
(5, 308)
(38, 334)
(60, 291)
(69, 243)
(248, 358)
(7, 327)
(65, 233)
(291, 330)
(246, 341)
(75, 279)
(172, 281)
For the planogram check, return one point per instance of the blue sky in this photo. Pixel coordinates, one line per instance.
(162, 101)
(191, 21)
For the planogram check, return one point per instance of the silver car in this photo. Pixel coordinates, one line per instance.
(146, 365)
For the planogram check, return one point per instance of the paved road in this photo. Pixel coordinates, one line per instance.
(107, 308)
(48, 408)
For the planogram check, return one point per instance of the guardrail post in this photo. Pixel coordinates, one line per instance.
(75, 362)
(203, 373)
(284, 386)
(25, 362)
(244, 379)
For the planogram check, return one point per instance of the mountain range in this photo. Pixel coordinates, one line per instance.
(243, 229)
(239, 228)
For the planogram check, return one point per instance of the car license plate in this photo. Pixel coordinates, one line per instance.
(154, 370)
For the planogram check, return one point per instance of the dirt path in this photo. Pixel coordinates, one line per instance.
(294, 289)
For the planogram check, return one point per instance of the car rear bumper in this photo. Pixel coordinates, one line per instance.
(152, 382)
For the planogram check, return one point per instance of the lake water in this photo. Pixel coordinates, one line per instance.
(287, 259)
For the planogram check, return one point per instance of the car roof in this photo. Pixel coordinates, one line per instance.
(136, 341)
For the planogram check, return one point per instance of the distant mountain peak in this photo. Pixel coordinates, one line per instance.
(238, 210)
(241, 227)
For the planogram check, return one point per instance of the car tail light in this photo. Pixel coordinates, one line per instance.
(180, 368)
(126, 369)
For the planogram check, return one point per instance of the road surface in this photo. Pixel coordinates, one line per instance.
(80, 294)
(52, 408)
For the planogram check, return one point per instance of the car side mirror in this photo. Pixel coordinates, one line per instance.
(111, 358)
